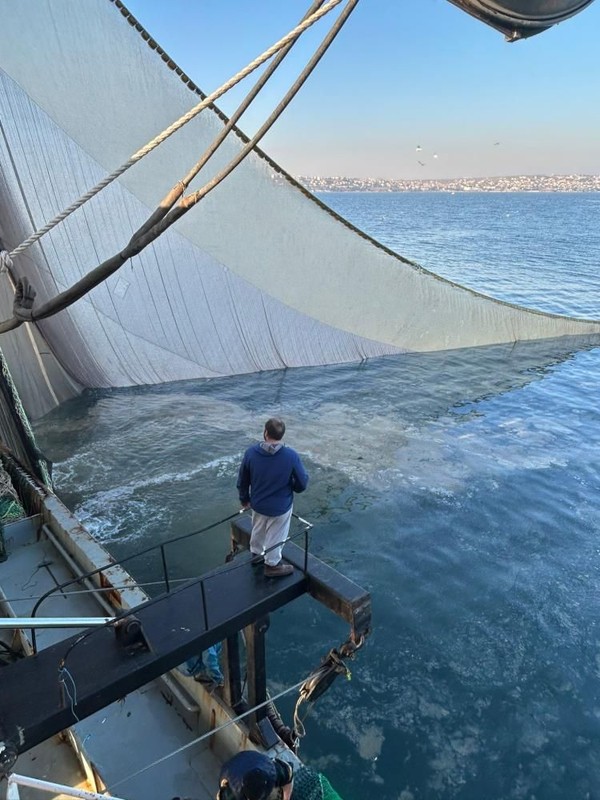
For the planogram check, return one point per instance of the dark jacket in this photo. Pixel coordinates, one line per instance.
(267, 480)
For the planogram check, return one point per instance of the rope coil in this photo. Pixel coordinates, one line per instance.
(321, 679)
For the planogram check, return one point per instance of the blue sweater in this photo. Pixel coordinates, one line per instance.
(268, 480)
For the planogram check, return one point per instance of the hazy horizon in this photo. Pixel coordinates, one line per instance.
(413, 91)
(463, 177)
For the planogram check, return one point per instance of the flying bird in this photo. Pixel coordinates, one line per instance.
(419, 148)
(496, 144)
(435, 155)
(422, 163)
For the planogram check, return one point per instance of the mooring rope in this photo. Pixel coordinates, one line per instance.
(208, 735)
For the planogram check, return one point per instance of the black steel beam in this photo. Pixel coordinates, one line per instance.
(232, 691)
(338, 593)
(34, 705)
(256, 664)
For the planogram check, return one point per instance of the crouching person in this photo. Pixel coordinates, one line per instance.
(250, 775)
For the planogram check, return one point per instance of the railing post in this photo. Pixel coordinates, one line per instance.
(165, 570)
(305, 550)
(203, 593)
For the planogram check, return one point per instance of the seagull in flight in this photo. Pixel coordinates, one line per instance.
(422, 163)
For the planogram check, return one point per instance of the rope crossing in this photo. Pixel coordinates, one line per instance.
(175, 126)
(174, 205)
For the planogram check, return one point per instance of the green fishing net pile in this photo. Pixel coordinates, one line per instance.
(10, 508)
(311, 785)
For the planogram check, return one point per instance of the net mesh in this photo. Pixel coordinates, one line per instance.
(227, 298)
(10, 507)
(311, 785)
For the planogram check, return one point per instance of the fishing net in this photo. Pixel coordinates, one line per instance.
(228, 299)
(311, 785)
(10, 508)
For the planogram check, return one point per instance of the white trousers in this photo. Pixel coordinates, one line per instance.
(269, 535)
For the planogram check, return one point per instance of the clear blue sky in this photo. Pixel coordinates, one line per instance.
(401, 74)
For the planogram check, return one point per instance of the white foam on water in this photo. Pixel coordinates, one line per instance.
(110, 513)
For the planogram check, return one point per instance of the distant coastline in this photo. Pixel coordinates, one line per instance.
(513, 183)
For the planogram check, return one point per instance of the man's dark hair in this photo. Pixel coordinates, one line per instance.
(275, 428)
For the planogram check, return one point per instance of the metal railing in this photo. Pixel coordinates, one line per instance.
(15, 780)
(161, 547)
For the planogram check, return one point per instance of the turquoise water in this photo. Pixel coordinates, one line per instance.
(460, 488)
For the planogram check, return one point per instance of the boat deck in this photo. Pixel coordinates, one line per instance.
(53, 761)
(128, 735)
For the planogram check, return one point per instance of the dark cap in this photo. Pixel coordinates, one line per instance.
(257, 784)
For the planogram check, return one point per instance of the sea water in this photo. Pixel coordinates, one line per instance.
(461, 488)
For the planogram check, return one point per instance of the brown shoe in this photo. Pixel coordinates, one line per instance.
(278, 571)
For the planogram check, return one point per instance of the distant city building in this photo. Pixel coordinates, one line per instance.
(513, 183)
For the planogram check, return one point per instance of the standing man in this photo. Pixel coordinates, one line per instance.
(269, 475)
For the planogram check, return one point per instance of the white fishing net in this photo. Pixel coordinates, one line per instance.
(258, 276)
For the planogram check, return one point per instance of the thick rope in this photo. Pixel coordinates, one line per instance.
(177, 191)
(5, 261)
(137, 156)
(321, 679)
(164, 216)
(274, 116)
